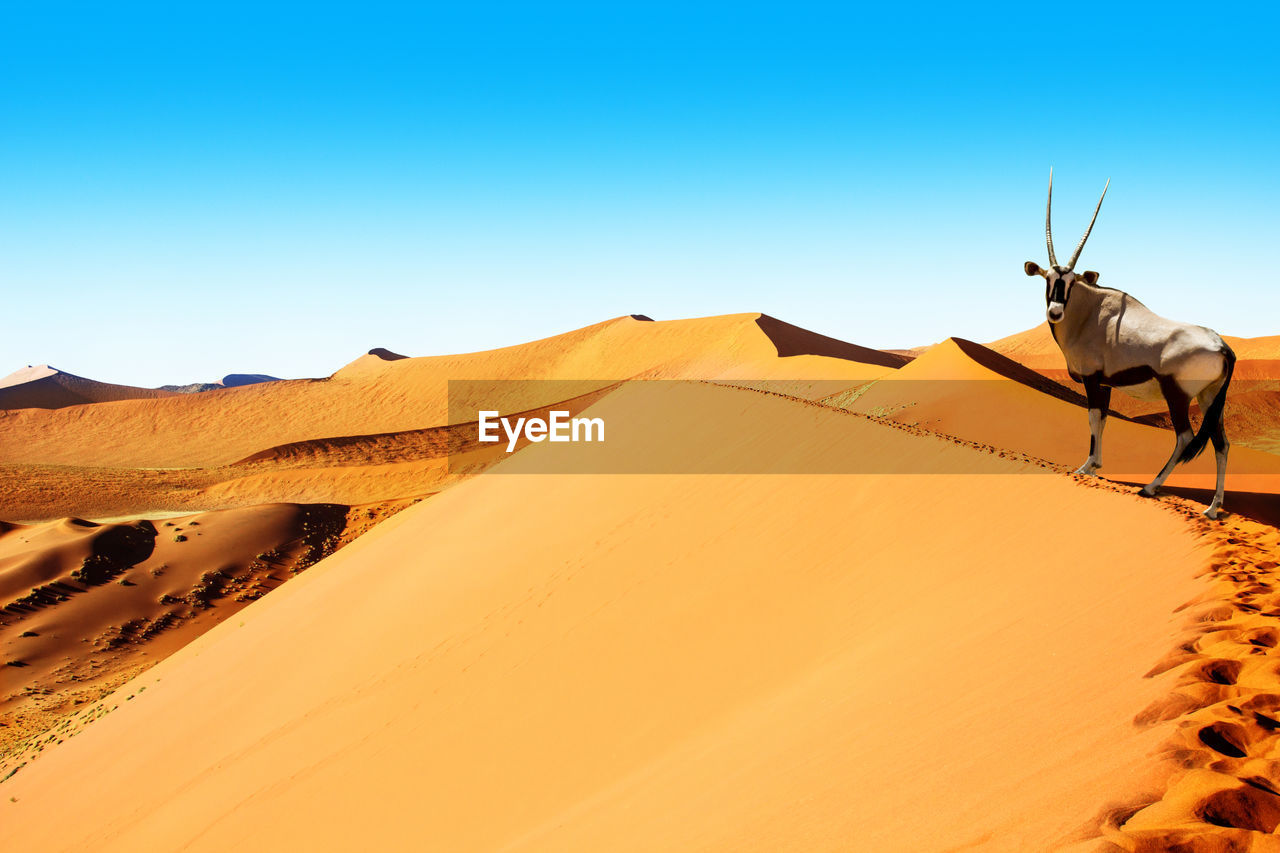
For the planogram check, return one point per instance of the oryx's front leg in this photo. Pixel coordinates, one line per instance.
(1099, 397)
(1179, 408)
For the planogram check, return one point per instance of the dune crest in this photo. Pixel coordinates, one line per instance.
(399, 395)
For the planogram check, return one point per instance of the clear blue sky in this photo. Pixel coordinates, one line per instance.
(191, 191)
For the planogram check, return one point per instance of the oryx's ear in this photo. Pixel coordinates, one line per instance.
(1032, 268)
(1089, 277)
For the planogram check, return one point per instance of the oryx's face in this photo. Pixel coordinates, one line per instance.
(1057, 287)
(1058, 279)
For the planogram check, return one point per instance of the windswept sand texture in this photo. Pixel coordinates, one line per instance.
(83, 606)
(998, 657)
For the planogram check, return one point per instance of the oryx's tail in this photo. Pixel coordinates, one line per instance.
(1214, 414)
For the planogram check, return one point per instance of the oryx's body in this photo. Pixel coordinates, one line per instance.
(1108, 335)
(1111, 340)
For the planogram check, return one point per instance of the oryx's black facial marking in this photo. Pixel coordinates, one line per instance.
(1057, 290)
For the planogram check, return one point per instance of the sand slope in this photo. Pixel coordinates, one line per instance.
(764, 662)
(84, 605)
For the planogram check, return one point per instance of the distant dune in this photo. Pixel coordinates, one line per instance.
(45, 387)
(411, 393)
(372, 360)
(231, 380)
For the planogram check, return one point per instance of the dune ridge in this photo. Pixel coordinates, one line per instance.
(402, 394)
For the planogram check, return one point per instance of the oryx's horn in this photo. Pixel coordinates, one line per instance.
(1048, 227)
(1071, 264)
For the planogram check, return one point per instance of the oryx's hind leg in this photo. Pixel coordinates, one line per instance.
(1099, 397)
(1218, 436)
(1179, 407)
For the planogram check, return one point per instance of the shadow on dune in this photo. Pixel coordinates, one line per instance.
(1010, 369)
(792, 340)
(1259, 506)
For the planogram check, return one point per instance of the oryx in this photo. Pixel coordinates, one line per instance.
(1111, 340)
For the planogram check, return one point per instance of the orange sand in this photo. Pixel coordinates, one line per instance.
(84, 605)
(663, 662)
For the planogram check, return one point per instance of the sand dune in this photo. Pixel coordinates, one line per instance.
(403, 394)
(1034, 348)
(30, 373)
(354, 469)
(235, 380)
(231, 380)
(367, 431)
(374, 359)
(45, 387)
(736, 662)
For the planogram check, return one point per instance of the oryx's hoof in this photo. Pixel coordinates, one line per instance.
(1212, 513)
(1088, 470)
(1148, 491)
